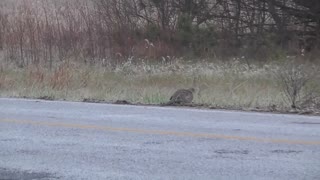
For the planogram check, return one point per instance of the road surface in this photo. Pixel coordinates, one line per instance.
(70, 140)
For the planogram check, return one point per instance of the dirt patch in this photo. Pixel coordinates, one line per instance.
(48, 98)
(90, 100)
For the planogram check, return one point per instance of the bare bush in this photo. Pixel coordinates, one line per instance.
(293, 78)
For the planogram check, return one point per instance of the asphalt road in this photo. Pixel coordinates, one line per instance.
(68, 140)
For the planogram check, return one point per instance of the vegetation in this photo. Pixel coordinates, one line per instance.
(293, 79)
(236, 53)
(231, 85)
(91, 31)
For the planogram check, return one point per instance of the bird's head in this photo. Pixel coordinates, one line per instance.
(192, 90)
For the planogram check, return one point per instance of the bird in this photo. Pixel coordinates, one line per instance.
(182, 96)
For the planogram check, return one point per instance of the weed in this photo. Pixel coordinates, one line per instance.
(293, 79)
(217, 84)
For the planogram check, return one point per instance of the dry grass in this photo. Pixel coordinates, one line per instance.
(225, 85)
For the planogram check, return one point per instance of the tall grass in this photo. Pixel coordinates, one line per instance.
(225, 85)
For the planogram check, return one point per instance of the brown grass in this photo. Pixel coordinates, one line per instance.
(225, 85)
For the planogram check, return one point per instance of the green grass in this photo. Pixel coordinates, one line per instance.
(224, 85)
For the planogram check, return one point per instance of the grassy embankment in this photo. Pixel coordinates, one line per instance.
(232, 85)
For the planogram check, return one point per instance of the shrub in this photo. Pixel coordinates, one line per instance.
(293, 78)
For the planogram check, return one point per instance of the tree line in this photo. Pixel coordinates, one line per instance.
(49, 31)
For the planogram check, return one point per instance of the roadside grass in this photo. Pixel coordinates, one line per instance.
(232, 85)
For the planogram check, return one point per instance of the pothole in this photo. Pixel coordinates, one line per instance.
(225, 151)
(280, 151)
(25, 175)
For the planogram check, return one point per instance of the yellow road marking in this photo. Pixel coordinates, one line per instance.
(160, 132)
